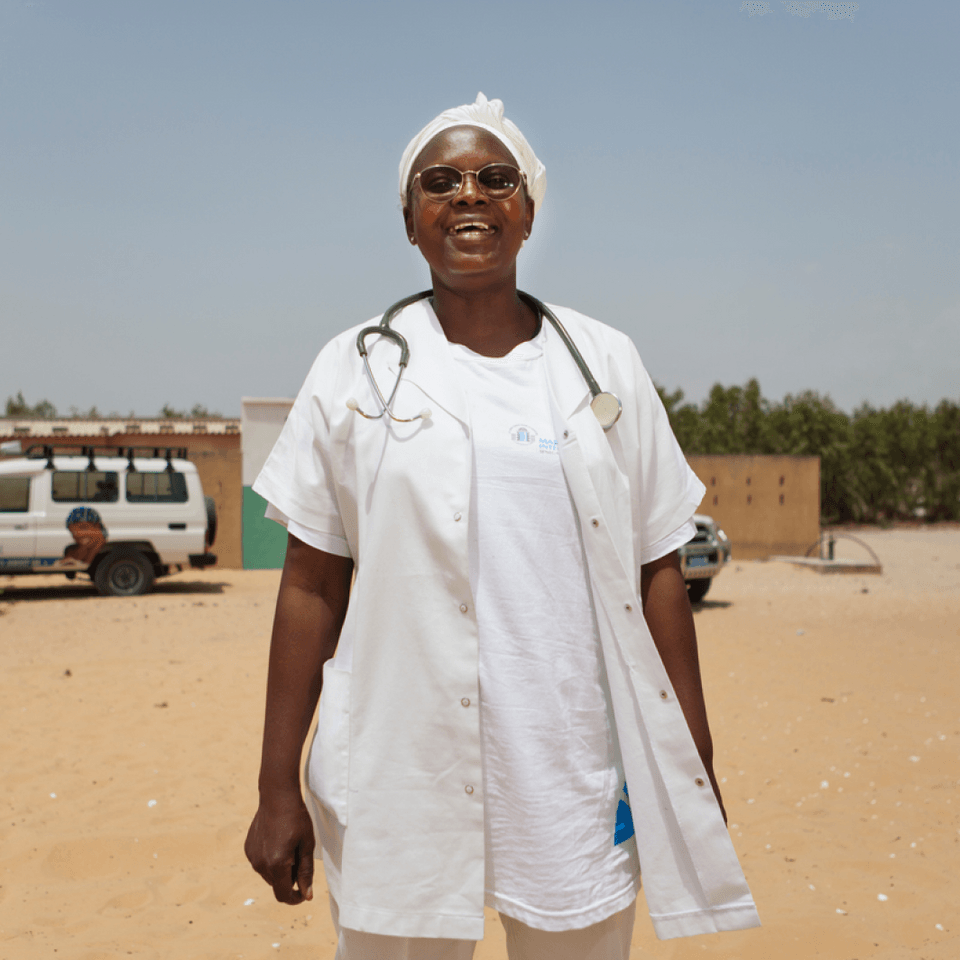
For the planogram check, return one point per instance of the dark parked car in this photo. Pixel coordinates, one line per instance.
(703, 557)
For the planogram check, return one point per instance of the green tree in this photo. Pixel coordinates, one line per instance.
(941, 481)
(18, 407)
(198, 412)
(92, 414)
(810, 425)
(732, 420)
(875, 466)
(684, 418)
(735, 420)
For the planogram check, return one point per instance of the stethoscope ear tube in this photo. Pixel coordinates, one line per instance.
(386, 319)
(390, 334)
(383, 329)
(386, 404)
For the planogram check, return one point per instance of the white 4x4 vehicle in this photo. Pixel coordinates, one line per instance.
(122, 516)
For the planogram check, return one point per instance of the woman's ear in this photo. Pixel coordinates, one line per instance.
(531, 212)
(408, 225)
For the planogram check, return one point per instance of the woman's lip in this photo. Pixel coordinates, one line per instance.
(472, 227)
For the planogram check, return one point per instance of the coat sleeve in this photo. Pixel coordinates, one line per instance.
(667, 489)
(299, 478)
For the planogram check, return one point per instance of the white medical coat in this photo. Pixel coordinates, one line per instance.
(396, 759)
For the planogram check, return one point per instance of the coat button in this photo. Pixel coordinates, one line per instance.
(596, 523)
(627, 607)
(468, 789)
(699, 781)
(463, 608)
(663, 694)
(465, 702)
(458, 516)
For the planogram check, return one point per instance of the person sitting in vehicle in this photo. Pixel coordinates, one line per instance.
(107, 491)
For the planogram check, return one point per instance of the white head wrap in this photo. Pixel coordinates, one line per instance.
(488, 115)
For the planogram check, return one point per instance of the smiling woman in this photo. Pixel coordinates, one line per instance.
(469, 212)
(516, 656)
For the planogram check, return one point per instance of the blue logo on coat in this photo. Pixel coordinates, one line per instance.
(624, 828)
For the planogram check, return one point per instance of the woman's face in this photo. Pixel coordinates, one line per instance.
(469, 241)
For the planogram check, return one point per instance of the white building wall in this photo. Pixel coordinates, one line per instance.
(261, 421)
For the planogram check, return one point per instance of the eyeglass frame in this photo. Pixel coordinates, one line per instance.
(521, 182)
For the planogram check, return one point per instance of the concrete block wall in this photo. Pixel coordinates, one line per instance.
(767, 505)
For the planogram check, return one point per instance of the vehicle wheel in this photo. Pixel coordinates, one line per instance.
(124, 573)
(211, 520)
(697, 589)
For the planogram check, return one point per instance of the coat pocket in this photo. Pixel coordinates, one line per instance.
(329, 763)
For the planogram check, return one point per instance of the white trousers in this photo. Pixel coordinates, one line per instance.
(607, 940)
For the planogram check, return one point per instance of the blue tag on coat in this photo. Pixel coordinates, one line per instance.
(624, 828)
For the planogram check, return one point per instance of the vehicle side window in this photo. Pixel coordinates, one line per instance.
(162, 487)
(85, 486)
(14, 494)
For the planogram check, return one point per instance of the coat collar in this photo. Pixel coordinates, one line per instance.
(433, 371)
(566, 381)
(431, 368)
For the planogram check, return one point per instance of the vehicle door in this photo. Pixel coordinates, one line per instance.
(18, 523)
(158, 509)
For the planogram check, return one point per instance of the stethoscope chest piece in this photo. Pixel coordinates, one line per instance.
(606, 408)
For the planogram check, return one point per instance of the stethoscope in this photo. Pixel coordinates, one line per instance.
(606, 406)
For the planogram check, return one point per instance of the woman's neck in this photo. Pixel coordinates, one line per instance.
(490, 322)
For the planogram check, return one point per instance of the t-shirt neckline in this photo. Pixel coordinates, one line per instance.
(526, 350)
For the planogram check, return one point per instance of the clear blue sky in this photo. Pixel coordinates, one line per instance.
(195, 196)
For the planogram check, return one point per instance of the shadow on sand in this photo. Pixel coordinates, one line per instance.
(711, 605)
(84, 590)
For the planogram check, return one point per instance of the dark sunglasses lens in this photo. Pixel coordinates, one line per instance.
(499, 180)
(440, 181)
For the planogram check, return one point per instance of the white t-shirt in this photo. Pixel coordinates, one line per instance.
(552, 773)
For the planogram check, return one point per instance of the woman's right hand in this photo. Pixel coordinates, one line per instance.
(280, 845)
(311, 605)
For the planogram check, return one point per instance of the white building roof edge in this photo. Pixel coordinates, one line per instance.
(63, 427)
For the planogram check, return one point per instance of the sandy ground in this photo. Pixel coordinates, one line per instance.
(132, 739)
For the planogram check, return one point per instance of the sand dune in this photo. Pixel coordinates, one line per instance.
(132, 739)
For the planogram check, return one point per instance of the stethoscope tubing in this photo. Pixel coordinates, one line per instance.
(545, 311)
(601, 399)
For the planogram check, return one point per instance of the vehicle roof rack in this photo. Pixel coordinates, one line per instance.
(39, 451)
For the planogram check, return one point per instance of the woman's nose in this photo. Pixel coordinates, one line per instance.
(469, 191)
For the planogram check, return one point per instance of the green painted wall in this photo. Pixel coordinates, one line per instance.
(264, 541)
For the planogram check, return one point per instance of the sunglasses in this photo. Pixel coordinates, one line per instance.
(496, 181)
